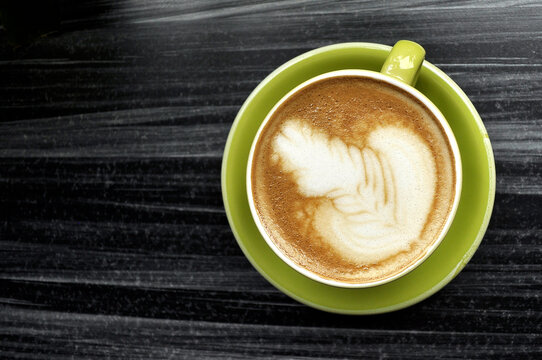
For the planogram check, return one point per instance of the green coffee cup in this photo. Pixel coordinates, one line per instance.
(474, 208)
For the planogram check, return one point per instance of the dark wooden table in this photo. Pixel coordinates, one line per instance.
(113, 238)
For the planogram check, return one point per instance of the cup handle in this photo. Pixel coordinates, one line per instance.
(404, 62)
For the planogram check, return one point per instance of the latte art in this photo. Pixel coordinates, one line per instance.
(352, 179)
(374, 201)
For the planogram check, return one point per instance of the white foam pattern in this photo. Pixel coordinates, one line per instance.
(378, 198)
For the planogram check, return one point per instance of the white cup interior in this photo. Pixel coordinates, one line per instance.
(455, 152)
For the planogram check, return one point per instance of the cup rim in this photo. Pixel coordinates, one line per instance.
(457, 162)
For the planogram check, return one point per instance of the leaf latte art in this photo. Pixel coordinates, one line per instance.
(352, 179)
(379, 196)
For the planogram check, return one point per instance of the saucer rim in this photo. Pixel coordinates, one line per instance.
(464, 259)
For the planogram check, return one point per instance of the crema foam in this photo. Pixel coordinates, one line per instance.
(353, 179)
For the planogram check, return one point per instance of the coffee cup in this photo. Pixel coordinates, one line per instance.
(354, 176)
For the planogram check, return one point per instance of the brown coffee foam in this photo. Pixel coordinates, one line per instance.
(348, 108)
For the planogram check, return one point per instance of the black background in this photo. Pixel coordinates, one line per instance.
(113, 237)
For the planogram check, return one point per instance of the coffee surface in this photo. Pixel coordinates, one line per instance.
(353, 179)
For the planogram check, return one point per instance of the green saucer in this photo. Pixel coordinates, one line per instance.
(453, 253)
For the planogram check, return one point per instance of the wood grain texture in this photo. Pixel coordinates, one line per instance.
(113, 238)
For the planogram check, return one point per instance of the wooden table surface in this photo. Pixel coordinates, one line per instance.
(113, 238)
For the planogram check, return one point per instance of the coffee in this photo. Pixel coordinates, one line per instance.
(353, 179)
